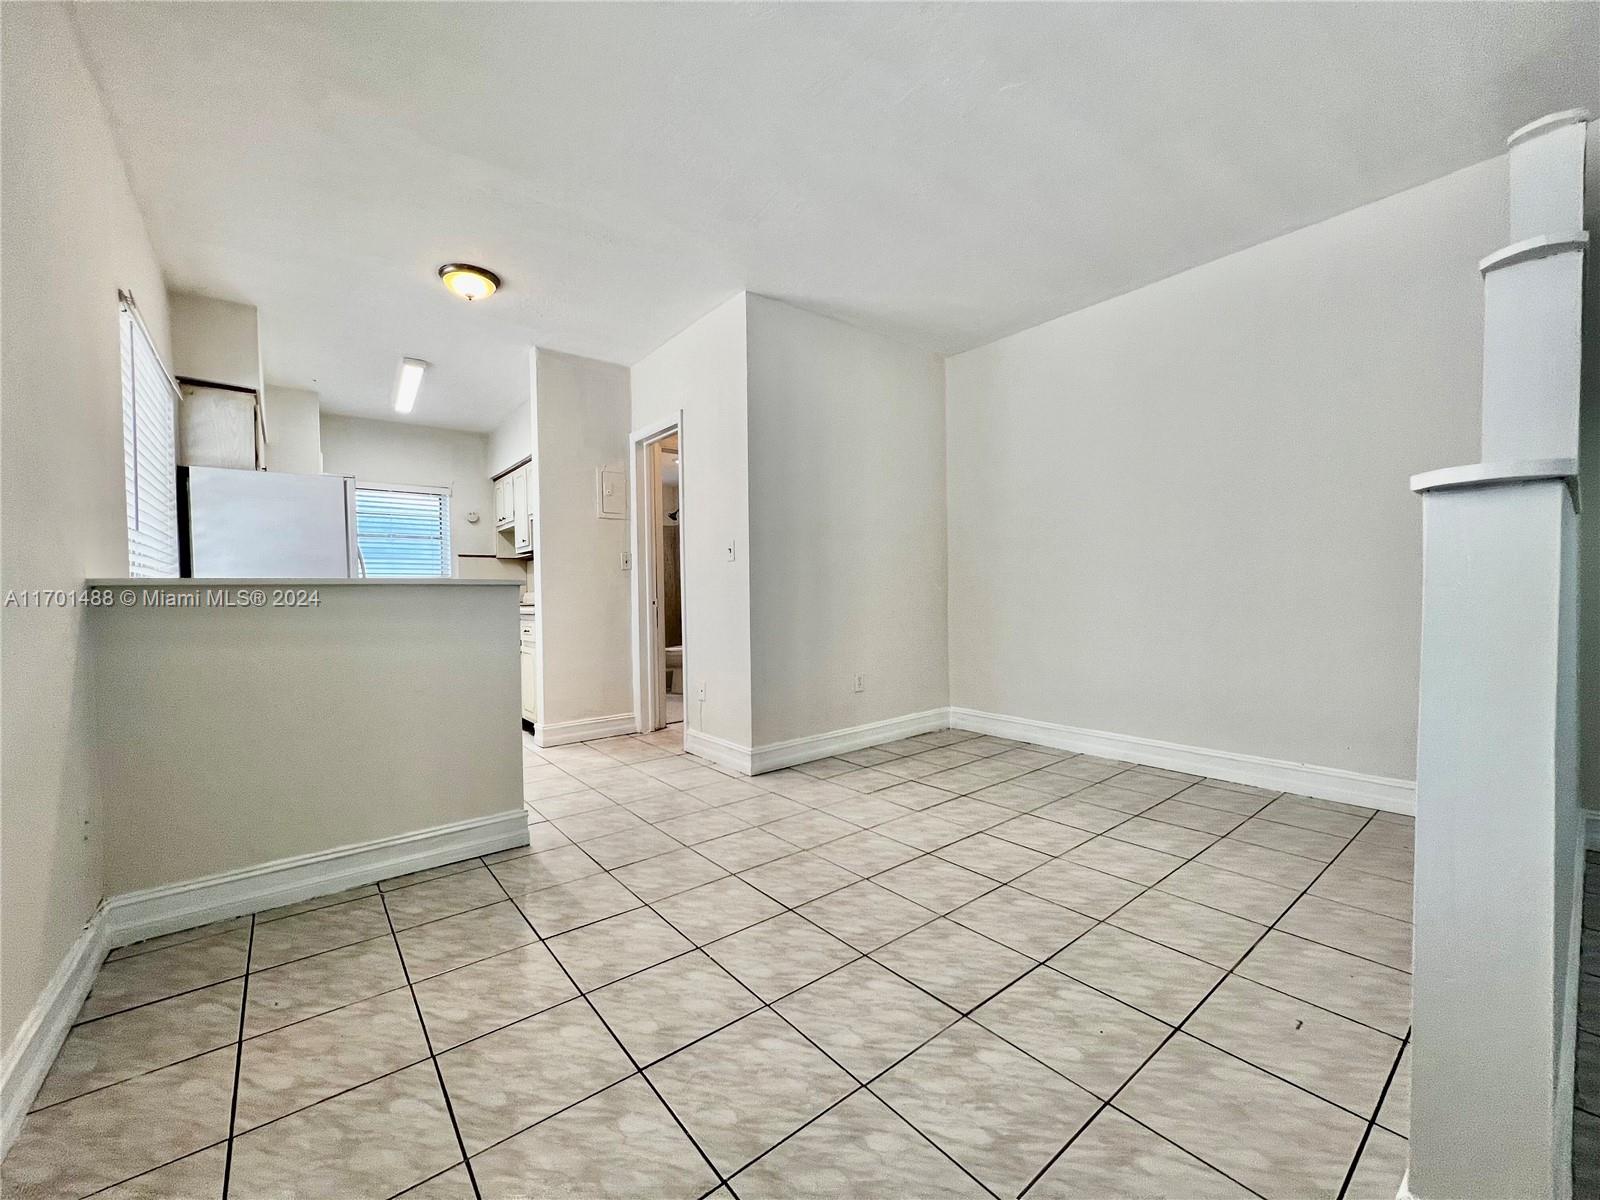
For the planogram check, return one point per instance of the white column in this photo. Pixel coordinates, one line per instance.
(1498, 838)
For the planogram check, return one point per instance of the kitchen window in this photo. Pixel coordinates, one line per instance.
(403, 532)
(149, 451)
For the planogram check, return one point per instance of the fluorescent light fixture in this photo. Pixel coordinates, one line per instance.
(406, 387)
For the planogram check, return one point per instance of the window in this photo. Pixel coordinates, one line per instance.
(149, 451)
(403, 531)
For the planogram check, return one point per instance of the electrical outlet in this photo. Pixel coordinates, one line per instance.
(731, 554)
(861, 682)
(627, 561)
(700, 692)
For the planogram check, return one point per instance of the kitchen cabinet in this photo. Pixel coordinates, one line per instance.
(513, 513)
(530, 672)
(522, 517)
(503, 518)
(220, 427)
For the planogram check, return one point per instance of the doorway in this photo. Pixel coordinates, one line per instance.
(660, 645)
(670, 576)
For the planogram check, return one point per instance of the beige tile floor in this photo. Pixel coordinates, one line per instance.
(950, 966)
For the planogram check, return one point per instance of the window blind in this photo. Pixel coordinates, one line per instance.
(403, 531)
(149, 452)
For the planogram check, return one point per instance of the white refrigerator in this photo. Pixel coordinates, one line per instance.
(240, 524)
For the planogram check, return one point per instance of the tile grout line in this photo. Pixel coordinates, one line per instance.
(119, 954)
(100, 1191)
(187, 1058)
(1347, 839)
(411, 1187)
(638, 1070)
(1124, 816)
(1232, 972)
(1184, 1149)
(158, 1000)
(1177, 1029)
(966, 833)
(565, 1108)
(427, 1041)
(904, 1120)
(1226, 973)
(867, 956)
(1383, 1093)
(783, 909)
(238, 1061)
(922, 853)
(1110, 832)
(771, 1006)
(763, 1004)
(288, 1024)
(967, 1014)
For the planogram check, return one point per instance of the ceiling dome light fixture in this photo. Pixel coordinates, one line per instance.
(469, 282)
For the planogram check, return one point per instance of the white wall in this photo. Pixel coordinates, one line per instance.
(230, 737)
(702, 373)
(1183, 514)
(512, 440)
(217, 341)
(583, 596)
(71, 219)
(847, 525)
(1589, 522)
(395, 452)
(294, 430)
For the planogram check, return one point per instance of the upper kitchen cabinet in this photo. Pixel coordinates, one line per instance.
(220, 426)
(216, 357)
(504, 517)
(521, 524)
(513, 513)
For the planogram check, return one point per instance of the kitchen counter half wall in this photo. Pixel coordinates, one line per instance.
(233, 735)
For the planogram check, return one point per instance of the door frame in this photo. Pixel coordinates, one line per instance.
(648, 644)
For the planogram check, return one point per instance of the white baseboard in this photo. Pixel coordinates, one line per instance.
(1305, 779)
(776, 755)
(718, 750)
(1325, 783)
(38, 1039)
(564, 733)
(133, 916)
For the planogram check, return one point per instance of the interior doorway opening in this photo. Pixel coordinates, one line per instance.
(670, 578)
(659, 627)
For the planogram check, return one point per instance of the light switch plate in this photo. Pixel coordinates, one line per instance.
(610, 493)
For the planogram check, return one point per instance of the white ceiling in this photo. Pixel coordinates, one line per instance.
(945, 173)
